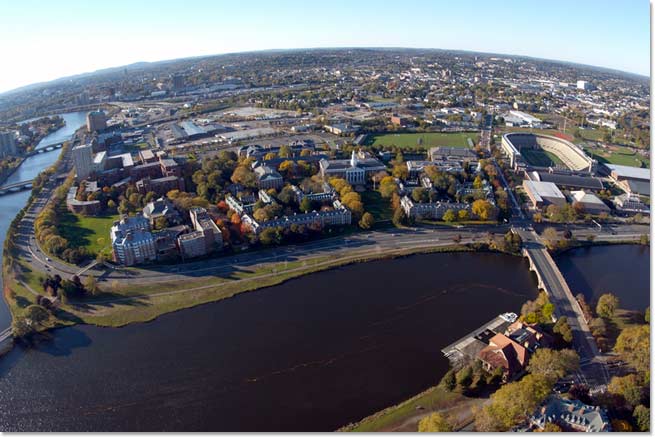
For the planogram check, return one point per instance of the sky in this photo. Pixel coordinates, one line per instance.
(44, 40)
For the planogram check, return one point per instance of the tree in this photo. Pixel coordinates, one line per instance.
(464, 377)
(551, 237)
(36, 313)
(647, 315)
(449, 381)
(91, 285)
(553, 364)
(463, 214)
(420, 195)
(306, 204)
(387, 187)
(482, 209)
(563, 329)
(629, 387)
(641, 415)
(269, 236)
(161, 222)
(513, 403)
(449, 216)
(367, 221)
(477, 182)
(435, 422)
(633, 344)
(551, 427)
(607, 305)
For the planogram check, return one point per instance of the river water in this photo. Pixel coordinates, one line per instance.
(12, 203)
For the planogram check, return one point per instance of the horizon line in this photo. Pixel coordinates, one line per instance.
(46, 82)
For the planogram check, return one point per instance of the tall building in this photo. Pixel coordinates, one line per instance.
(96, 121)
(585, 85)
(202, 222)
(178, 82)
(83, 161)
(7, 144)
(132, 242)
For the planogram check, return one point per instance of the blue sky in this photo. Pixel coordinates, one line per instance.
(44, 40)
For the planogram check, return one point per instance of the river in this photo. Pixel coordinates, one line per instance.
(12, 203)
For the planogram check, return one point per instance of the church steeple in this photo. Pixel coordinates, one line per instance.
(353, 159)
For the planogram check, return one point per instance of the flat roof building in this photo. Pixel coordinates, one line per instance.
(543, 193)
(83, 160)
(590, 202)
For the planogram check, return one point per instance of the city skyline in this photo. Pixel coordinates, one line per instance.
(107, 36)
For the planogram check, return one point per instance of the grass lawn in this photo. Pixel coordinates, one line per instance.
(431, 139)
(434, 398)
(376, 205)
(89, 232)
(540, 158)
(618, 156)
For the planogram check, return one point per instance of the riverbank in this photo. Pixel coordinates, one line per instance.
(116, 305)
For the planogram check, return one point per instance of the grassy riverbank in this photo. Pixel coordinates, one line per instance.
(118, 305)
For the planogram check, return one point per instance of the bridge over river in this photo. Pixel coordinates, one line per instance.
(15, 187)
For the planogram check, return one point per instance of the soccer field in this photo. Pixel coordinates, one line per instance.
(424, 140)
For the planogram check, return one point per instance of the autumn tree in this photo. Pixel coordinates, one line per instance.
(449, 216)
(629, 387)
(482, 208)
(553, 364)
(607, 305)
(367, 221)
(435, 422)
(633, 344)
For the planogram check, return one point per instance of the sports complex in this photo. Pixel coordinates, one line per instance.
(537, 151)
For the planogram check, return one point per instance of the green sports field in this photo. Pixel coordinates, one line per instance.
(423, 140)
(540, 158)
(89, 232)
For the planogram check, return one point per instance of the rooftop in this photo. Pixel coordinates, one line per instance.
(624, 171)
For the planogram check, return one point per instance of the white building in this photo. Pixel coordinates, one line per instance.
(132, 242)
(543, 193)
(355, 170)
(590, 202)
(83, 161)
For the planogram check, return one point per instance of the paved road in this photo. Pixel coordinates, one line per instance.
(593, 369)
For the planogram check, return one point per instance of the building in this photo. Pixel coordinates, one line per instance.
(132, 242)
(161, 207)
(527, 336)
(415, 168)
(399, 120)
(543, 193)
(567, 181)
(212, 235)
(433, 210)
(192, 244)
(83, 161)
(160, 186)
(573, 158)
(178, 82)
(268, 177)
(631, 204)
(571, 415)
(590, 202)
(356, 170)
(96, 121)
(7, 144)
(584, 85)
(86, 207)
(506, 354)
(454, 154)
(341, 128)
(338, 216)
(632, 180)
(519, 118)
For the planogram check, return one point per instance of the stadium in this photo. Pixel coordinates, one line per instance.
(532, 151)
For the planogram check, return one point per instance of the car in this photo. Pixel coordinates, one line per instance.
(47, 259)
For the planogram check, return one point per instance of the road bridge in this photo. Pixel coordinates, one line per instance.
(551, 280)
(15, 187)
(48, 148)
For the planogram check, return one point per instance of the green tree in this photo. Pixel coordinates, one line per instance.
(464, 377)
(367, 221)
(607, 305)
(633, 344)
(449, 381)
(306, 204)
(553, 364)
(91, 284)
(563, 329)
(449, 216)
(161, 222)
(36, 313)
(420, 195)
(551, 237)
(269, 237)
(629, 387)
(435, 422)
(641, 415)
